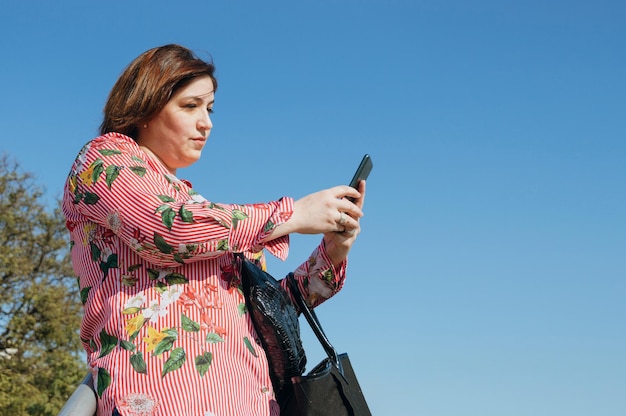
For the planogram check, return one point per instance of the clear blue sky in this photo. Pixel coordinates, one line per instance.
(490, 276)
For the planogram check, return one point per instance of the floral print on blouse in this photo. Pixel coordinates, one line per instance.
(165, 326)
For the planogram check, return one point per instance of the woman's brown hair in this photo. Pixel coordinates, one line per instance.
(147, 84)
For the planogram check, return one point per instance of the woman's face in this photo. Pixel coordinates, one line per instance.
(178, 133)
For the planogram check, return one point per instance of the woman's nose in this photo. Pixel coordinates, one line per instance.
(205, 123)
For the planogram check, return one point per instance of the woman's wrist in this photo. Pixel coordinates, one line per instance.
(282, 223)
(336, 253)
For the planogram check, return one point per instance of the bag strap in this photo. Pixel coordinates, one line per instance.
(354, 403)
(315, 324)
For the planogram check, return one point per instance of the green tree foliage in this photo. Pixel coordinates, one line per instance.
(41, 360)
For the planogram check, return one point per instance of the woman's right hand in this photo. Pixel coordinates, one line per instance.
(322, 212)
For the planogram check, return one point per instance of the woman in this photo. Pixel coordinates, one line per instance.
(165, 326)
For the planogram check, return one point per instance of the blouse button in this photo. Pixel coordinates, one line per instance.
(265, 390)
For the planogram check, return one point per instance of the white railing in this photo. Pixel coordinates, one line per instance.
(83, 401)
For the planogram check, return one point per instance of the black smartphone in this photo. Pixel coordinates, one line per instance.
(362, 172)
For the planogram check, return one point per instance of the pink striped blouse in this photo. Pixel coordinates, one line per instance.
(165, 326)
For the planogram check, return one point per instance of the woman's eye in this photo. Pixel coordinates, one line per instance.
(190, 105)
(210, 110)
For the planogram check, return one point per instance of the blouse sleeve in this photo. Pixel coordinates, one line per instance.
(114, 184)
(318, 279)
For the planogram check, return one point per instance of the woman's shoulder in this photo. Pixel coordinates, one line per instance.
(114, 141)
(108, 145)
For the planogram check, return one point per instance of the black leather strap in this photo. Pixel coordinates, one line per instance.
(315, 324)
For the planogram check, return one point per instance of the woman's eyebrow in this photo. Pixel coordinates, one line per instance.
(199, 98)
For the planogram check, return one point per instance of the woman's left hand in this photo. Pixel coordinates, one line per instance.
(338, 244)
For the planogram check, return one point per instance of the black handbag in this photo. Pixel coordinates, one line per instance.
(275, 320)
(330, 388)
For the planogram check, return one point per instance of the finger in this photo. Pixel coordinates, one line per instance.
(350, 224)
(346, 224)
(352, 209)
(362, 188)
(341, 222)
(350, 232)
(355, 202)
(345, 191)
